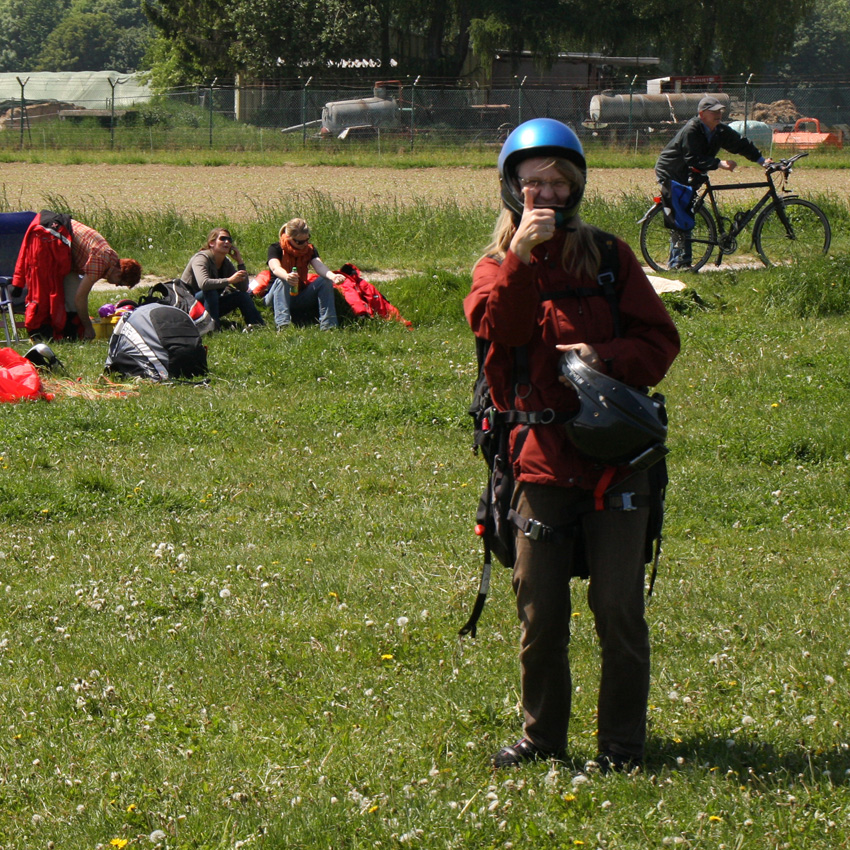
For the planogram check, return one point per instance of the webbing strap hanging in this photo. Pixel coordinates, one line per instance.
(471, 626)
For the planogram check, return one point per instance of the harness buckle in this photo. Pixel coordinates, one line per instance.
(628, 504)
(606, 277)
(536, 530)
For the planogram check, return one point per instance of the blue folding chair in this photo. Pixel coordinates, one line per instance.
(13, 226)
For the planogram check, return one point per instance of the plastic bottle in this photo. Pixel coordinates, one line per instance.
(293, 287)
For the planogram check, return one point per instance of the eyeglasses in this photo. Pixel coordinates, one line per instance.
(556, 186)
(225, 238)
(303, 241)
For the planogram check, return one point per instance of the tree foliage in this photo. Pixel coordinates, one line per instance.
(724, 36)
(26, 24)
(821, 43)
(194, 41)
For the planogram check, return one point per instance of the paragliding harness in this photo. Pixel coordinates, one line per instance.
(175, 293)
(496, 520)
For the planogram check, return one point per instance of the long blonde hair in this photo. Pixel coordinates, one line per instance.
(580, 255)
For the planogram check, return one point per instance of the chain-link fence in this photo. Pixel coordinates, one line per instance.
(393, 116)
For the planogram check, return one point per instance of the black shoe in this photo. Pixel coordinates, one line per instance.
(523, 751)
(613, 763)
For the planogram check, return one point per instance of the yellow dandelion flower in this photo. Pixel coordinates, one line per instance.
(386, 657)
(373, 809)
(715, 819)
(569, 797)
(119, 842)
(132, 807)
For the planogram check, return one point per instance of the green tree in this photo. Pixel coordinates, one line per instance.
(82, 41)
(821, 42)
(199, 33)
(25, 25)
(724, 36)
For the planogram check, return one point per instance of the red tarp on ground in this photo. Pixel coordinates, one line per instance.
(19, 379)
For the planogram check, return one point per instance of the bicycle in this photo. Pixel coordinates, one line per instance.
(787, 228)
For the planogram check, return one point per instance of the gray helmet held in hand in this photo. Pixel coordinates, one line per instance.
(616, 424)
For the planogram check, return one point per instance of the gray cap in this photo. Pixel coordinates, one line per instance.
(710, 104)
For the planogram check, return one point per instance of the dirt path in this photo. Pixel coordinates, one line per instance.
(239, 191)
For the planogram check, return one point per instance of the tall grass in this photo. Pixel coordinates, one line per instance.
(228, 613)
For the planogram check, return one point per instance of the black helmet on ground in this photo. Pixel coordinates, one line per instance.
(42, 355)
(616, 424)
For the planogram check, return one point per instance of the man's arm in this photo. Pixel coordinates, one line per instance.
(81, 304)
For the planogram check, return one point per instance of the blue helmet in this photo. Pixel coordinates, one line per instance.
(539, 137)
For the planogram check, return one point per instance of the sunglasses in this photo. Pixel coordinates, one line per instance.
(303, 241)
(225, 238)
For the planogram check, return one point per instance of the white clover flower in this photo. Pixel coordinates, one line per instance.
(746, 720)
(810, 720)
(224, 593)
(401, 622)
(829, 680)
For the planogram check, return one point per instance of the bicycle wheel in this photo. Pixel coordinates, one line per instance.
(655, 240)
(809, 237)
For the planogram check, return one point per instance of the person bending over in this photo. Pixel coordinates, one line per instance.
(59, 262)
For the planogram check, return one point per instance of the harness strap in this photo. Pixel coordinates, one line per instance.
(602, 486)
(605, 287)
(527, 417)
(471, 625)
(536, 530)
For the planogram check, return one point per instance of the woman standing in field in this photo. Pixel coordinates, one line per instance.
(534, 292)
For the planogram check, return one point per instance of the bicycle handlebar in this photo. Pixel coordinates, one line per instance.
(784, 164)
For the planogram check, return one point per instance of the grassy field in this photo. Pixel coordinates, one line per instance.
(229, 613)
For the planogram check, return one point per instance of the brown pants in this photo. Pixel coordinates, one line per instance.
(614, 552)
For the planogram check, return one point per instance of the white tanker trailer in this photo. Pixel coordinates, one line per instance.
(378, 111)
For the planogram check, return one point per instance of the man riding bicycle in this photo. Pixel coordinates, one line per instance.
(688, 155)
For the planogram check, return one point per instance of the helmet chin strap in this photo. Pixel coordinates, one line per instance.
(562, 221)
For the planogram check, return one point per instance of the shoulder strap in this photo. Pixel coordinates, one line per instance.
(606, 278)
(609, 273)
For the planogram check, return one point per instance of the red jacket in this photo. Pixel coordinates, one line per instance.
(504, 307)
(43, 262)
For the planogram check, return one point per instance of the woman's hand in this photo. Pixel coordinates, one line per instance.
(337, 278)
(536, 226)
(585, 352)
(239, 277)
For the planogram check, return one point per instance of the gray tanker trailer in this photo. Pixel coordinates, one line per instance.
(646, 109)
